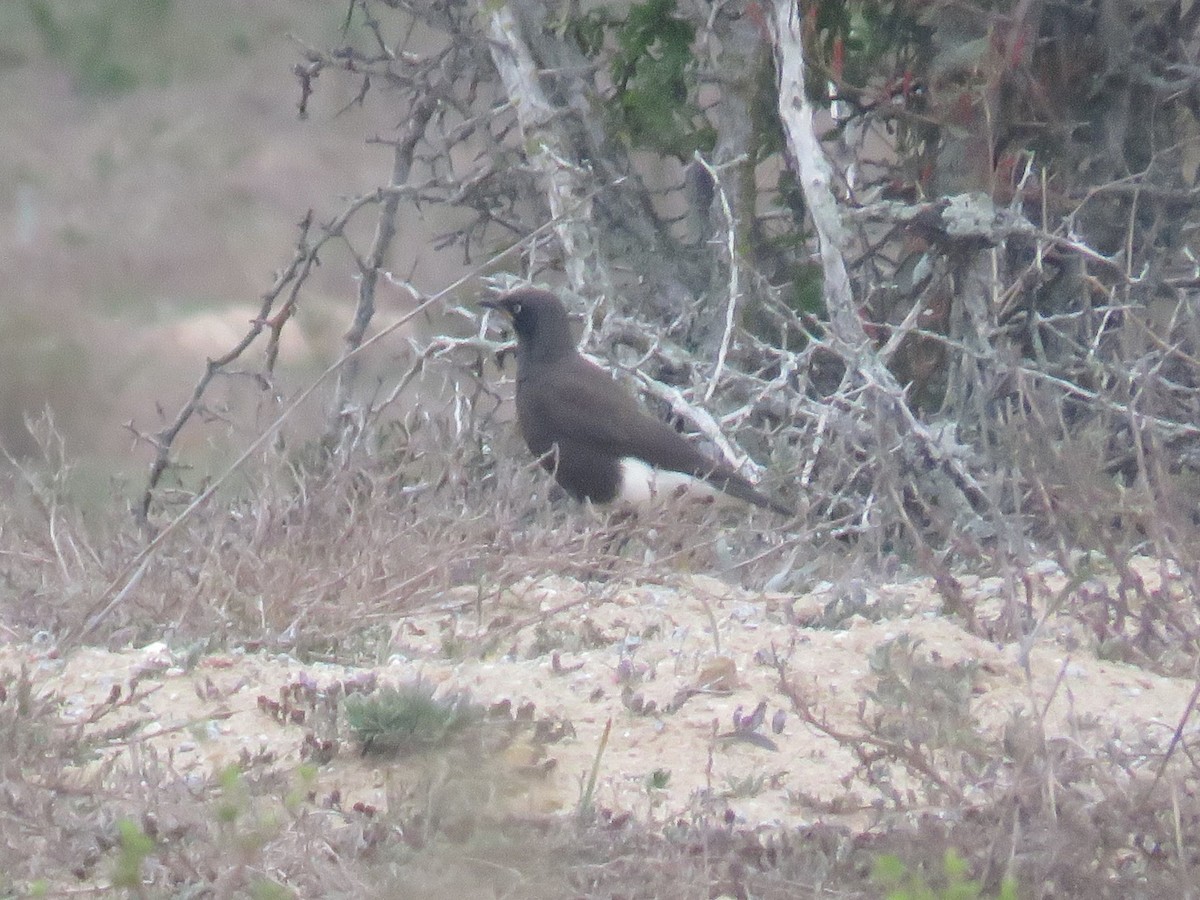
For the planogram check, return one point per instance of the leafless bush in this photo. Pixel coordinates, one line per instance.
(1057, 817)
(974, 377)
(433, 513)
(1007, 371)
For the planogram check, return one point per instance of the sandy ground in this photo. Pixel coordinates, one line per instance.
(573, 650)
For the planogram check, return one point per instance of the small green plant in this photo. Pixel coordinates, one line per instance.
(954, 883)
(136, 845)
(747, 786)
(658, 780)
(234, 800)
(587, 794)
(305, 784)
(453, 647)
(922, 701)
(407, 719)
(265, 889)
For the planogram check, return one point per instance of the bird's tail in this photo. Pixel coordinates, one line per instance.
(736, 486)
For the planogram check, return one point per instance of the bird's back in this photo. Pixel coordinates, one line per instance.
(578, 403)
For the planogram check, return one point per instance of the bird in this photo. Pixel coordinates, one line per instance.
(592, 434)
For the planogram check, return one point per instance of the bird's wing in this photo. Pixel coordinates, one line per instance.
(579, 404)
(559, 406)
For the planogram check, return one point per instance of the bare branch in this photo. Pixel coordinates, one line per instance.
(564, 180)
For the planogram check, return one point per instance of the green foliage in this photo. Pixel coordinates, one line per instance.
(654, 45)
(234, 799)
(136, 845)
(246, 826)
(807, 294)
(653, 73)
(265, 889)
(304, 786)
(953, 882)
(589, 30)
(99, 41)
(407, 719)
(658, 780)
(922, 702)
(861, 34)
(587, 794)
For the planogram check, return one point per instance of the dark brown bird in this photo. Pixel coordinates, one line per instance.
(588, 431)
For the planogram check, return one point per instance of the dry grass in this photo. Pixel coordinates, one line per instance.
(321, 555)
(323, 562)
(300, 548)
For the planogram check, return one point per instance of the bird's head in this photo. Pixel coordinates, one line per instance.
(540, 320)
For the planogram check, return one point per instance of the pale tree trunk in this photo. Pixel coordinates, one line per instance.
(569, 187)
(896, 428)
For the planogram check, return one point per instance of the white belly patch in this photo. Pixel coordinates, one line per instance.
(642, 484)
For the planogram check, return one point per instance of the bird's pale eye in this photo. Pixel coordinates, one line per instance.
(516, 309)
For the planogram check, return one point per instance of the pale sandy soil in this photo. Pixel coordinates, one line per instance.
(569, 648)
